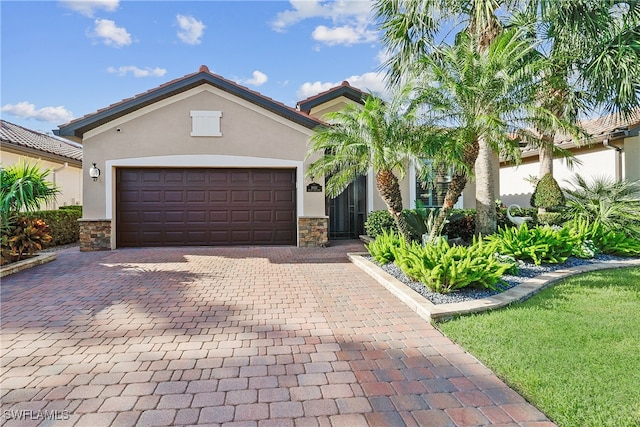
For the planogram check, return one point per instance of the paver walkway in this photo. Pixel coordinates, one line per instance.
(232, 336)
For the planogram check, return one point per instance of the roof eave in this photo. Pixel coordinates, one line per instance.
(78, 128)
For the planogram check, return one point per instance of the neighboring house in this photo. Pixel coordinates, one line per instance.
(63, 158)
(614, 151)
(201, 160)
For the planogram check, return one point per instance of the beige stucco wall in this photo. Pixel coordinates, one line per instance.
(632, 158)
(595, 161)
(67, 179)
(159, 135)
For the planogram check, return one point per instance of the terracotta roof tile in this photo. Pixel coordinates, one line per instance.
(18, 135)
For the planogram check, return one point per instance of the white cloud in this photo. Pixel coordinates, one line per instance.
(137, 72)
(89, 7)
(344, 35)
(352, 20)
(111, 34)
(27, 110)
(367, 82)
(259, 78)
(191, 30)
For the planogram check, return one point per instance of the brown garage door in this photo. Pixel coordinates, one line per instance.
(176, 207)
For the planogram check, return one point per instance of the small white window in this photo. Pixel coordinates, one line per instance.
(205, 123)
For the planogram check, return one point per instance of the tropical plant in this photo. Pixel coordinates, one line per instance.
(27, 237)
(24, 187)
(443, 268)
(540, 244)
(588, 233)
(410, 29)
(470, 97)
(422, 220)
(378, 135)
(614, 204)
(593, 60)
(377, 222)
(381, 249)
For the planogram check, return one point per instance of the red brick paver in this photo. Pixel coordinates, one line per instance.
(250, 336)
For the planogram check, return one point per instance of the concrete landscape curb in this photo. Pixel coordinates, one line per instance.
(432, 312)
(27, 263)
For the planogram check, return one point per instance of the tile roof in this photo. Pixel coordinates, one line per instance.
(22, 137)
(611, 126)
(344, 89)
(76, 128)
(602, 126)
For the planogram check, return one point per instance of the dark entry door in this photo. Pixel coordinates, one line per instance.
(347, 212)
(178, 207)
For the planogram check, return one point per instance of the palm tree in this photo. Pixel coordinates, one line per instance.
(410, 29)
(471, 96)
(380, 136)
(593, 58)
(24, 187)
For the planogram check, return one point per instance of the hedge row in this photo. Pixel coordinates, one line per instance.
(63, 224)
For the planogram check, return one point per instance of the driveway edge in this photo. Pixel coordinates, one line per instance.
(27, 263)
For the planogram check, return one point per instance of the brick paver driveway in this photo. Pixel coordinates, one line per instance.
(244, 336)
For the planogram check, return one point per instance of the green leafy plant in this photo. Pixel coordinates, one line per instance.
(422, 220)
(379, 221)
(444, 268)
(24, 187)
(540, 244)
(615, 205)
(381, 249)
(605, 240)
(27, 237)
(63, 224)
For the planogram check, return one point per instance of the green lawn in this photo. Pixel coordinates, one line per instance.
(573, 350)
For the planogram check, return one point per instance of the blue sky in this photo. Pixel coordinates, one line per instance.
(64, 59)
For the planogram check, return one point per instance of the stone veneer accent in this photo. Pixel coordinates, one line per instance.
(95, 235)
(313, 231)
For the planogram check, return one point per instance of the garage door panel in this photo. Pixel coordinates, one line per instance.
(219, 216)
(151, 177)
(263, 216)
(262, 196)
(196, 217)
(196, 196)
(240, 196)
(173, 196)
(218, 196)
(149, 196)
(172, 206)
(240, 217)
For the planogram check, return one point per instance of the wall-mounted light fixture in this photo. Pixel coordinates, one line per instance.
(94, 172)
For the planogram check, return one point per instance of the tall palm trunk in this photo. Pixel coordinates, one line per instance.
(545, 157)
(457, 184)
(389, 189)
(486, 215)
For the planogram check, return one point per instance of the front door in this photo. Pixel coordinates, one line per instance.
(347, 212)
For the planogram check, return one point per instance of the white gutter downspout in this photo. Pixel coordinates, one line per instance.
(55, 171)
(618, 158)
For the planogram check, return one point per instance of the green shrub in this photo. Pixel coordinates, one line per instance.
(548, 194)
(381, 249)
(75, 208)
(616, 205)
(540, 244)
(605, 240)
(377, 221)
(443, 268)
(63, 224)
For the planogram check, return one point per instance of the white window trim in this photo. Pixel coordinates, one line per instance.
(205, 123)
